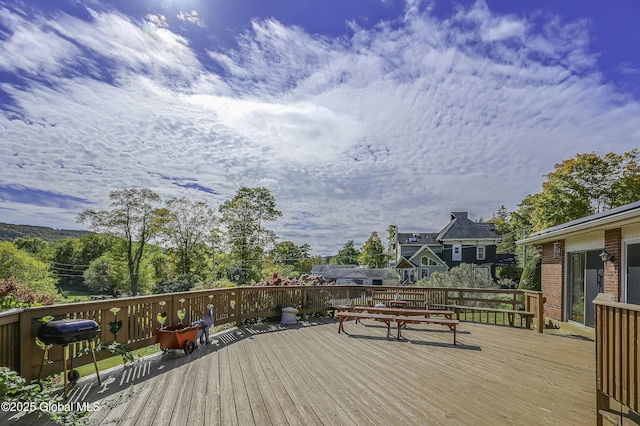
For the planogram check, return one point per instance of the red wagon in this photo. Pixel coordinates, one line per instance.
(178, 337)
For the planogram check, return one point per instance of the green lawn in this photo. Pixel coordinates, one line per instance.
(74, 295)
(114, 361)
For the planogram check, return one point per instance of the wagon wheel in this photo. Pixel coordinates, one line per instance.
(164, 350)
(73, 376)
(189, 346)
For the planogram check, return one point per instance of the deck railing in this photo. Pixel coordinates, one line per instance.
(139, 316)
(617, 358)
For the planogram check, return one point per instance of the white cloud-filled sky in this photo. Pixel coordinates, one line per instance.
(355, 115)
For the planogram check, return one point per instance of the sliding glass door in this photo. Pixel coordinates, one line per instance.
(575, 292)
(585, 281)
(633, 273)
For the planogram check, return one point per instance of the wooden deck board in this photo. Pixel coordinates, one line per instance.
(212, 401)
(228, 412)
(314, 376)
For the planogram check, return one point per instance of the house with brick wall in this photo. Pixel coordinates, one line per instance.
(582, 258)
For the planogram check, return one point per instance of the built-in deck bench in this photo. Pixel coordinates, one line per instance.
(343, 315)
(402, 321)
(413, 299)
(525, 316)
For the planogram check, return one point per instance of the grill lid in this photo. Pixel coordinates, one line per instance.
(63, 332)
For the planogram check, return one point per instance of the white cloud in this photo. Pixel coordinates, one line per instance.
(400, 123)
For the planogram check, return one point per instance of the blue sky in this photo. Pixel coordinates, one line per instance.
(355, 114)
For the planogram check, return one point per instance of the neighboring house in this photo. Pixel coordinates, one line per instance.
(353, 274)
(596, 254)
(418, 255)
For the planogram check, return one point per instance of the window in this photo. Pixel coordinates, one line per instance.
(480, 252)
(457, 252)
(424, 260)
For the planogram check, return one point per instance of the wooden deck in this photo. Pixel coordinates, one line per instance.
(310, 375)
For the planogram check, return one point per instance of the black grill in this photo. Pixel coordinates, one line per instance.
(66, 331)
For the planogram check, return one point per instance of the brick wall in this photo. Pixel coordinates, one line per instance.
(553, 281)
(612, 276)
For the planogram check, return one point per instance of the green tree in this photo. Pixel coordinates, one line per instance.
(72, 256)
(372, 254)
(244, 217)
(33, 245)
(392, 231)
(531, 278)
(288, 254)
(583, 185)
(184, 282)
(347, 255)
(107, 274)
(132, 218)
(26, 269)
(186, 226)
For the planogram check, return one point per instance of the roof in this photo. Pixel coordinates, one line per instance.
(592, 222)
(419, 238)
(426, 251)
(460, 227)
(334, 272)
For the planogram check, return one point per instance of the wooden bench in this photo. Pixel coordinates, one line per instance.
(404, 320)
(343, 315)
(511, 313)
(406, 312)
(413, 299)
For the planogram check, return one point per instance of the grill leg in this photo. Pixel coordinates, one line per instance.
(44, 357)
(64, 366)
(92, 346)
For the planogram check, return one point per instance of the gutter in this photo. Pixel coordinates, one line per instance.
(554, 233)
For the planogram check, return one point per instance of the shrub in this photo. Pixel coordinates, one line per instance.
(14, 388)
(531, 275)
(304, 279)
(15, 295)
(184, 282)
(465, 275)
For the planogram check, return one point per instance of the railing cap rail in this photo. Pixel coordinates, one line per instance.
(619, 305)
(11, 311)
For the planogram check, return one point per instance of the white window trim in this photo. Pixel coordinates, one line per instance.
(456, 252)
(481, 250)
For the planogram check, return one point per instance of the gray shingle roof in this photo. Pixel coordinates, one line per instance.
(461, 227)
(418, 238)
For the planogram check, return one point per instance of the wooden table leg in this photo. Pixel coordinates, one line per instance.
(341, 324)
(452, 327)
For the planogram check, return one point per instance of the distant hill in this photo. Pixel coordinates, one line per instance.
(9, 232)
